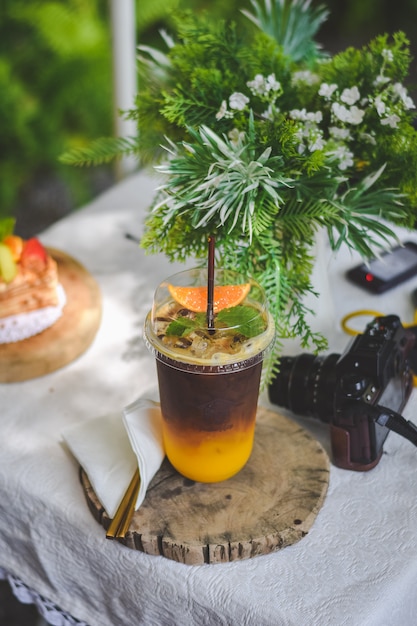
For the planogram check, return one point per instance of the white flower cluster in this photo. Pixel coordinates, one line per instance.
(268, 89)
(389, 103)
(265, 87)
(306, 77)
(347, 110)
(309, 133)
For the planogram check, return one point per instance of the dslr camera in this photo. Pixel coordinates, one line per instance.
(359, 393)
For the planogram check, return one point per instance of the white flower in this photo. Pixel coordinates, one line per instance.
(387, 55)
(350, 116)
(257, 85)
(346, 161)
(327, 90)
(307, 77)
(300, 135)
(379, 105)
(339, 133)
(261, 86)
(269, 113)
(298, 114)
(238, 101)
(316, 117)
(306, 116)
(344, 156)
(316, 143)
(222, 111)
(391, 120)
(402, 93)
(272, 84)
(381, 80)
(400, 90)
(350, 96)
(340, 111)
(356, 115)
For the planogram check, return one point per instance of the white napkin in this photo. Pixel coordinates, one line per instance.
(112, 447)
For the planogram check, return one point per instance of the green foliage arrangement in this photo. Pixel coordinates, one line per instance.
(265, 140)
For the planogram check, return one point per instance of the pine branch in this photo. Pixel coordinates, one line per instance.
(186, 111)
(100, 151)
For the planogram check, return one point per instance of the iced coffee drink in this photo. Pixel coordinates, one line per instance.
(208, 377)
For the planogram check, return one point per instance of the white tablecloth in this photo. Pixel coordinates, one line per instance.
(358, 564)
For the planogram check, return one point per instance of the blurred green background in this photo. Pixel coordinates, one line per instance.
(56, 87)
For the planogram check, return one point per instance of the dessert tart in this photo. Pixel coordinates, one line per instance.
(31, 298)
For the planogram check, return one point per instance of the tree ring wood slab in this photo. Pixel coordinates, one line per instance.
(270, 504)
(68, 338)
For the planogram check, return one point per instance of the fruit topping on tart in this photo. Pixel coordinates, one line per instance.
(28, 276)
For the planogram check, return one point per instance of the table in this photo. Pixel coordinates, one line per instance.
(357, 565)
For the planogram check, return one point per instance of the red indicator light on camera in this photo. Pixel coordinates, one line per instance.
(369, 278)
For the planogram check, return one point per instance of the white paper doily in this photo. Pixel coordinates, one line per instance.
(24, 325)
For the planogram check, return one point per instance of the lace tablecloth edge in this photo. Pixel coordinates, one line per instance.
(47, 609)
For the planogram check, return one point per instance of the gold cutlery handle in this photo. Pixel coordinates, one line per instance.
(121, 521)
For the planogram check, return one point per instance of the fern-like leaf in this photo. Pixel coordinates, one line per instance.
(100, 151)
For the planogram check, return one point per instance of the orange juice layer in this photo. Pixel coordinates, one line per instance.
(208, 456)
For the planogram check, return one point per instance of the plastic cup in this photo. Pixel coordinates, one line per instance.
(208, 381)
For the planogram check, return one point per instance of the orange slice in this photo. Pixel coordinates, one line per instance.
(195, 298)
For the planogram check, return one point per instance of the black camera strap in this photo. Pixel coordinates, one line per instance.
(395, 422)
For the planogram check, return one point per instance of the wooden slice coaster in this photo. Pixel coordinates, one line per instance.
(68, 338)
(270, 504)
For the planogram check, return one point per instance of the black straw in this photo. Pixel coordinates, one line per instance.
(210, 285)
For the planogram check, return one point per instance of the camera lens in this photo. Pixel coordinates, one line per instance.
(306, 385)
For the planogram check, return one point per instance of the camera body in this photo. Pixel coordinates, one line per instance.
(346, 390)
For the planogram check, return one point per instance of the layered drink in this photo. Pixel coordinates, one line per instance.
(209, 377)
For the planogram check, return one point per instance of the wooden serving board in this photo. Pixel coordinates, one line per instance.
(68, 338)
(270, 504)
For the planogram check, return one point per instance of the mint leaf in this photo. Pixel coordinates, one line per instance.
(244, 318)
(250, 324)
(181, 327)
